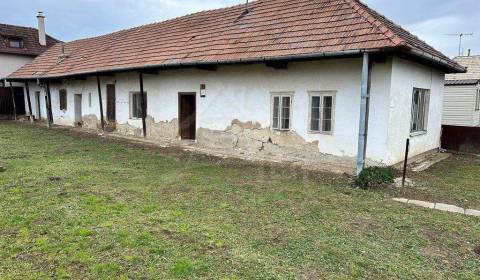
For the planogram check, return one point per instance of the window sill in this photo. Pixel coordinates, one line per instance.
(320, 132)
(418, 133)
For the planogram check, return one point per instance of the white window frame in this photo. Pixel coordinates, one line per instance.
(132, 93)
(321, 94)
(415, 114)
(477, 100)
(280, 116)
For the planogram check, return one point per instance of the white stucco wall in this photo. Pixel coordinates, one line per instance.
(10, 63)
(407, 75)
(244, 93)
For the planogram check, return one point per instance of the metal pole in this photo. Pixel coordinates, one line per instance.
(405, 162)
(143, 103)
(27, 91)
(13, 101)
(49, 106)
(362, 133)
(100, 102)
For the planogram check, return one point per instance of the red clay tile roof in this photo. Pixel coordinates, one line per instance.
(29, 37)
(272, 29)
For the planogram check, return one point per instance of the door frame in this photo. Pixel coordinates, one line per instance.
(180, 94)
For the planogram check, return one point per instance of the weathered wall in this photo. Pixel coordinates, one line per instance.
(236, 113)
(405, 76)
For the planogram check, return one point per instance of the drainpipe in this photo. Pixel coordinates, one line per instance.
(143, 103)
(364, 108)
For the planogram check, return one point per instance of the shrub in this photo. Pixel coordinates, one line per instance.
(375, 177)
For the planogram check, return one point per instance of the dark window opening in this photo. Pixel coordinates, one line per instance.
(15, 43)
(63, 99)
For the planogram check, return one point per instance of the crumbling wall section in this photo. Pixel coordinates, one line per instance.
(250, 138)
(91, 122)
(162, 129)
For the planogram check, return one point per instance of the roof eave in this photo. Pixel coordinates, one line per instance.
(346, 53)
(447, 66)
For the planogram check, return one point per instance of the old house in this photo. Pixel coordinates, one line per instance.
(461, 105)
(301, 80)
(19, 46)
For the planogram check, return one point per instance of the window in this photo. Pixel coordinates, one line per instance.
(136, 105)
(420, 101)
(322, 106)
(281, 111)
(15, 43)
(63, 99)
(90, 99)
(477, 100)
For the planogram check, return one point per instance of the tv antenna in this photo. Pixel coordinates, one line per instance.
(460, 36)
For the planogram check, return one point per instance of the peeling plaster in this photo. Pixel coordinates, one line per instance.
(251, 138)
(155, 130)
(91, 122)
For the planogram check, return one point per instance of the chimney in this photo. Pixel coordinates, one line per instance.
(469, 52)
(42, 40)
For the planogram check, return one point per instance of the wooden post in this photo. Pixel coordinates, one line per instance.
(100, 102)
(405, 162)
(27, 91)
(49, 106)
(143, 103)
(13, 101)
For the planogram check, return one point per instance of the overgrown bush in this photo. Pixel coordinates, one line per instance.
(375, 177)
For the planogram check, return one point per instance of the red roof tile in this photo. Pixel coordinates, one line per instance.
(272, 29)
(29, 37)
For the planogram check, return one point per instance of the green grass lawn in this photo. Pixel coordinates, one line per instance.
(76, 206)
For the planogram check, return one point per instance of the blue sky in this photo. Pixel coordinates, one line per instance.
(67, 20)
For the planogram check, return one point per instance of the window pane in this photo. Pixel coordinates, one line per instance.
(315, 114)
(316, 101)
(327, 125)
(134, 106)
(414, 110)
(285, 112)
(328, 101)
(420, 101)
(139, 105)
(15, 43)
(276, 111)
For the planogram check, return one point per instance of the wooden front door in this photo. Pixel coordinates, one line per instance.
(111, 100)
(187, 115)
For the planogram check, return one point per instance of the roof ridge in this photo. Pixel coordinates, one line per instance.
(366, 12)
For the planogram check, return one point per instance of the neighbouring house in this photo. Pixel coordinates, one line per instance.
(461, 107)
(461, 104)
(19, 46)
(315, 80)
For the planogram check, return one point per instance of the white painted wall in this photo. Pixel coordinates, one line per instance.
(244, 93)
(459, 106)
(10, 63)
(405, 76)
